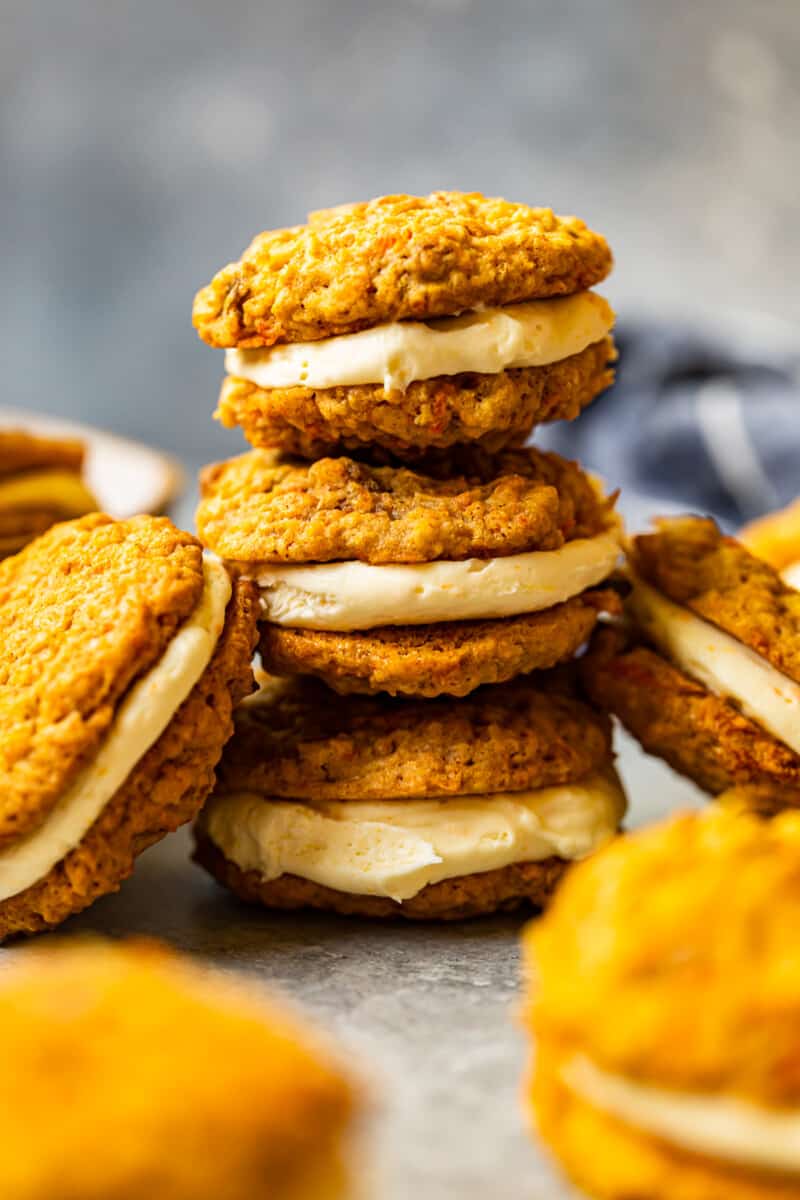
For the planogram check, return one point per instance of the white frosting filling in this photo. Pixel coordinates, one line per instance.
(720, 1126)
(59, 488)
(395, 848)
(345, 596)
(722, 663)
(139, 721)
(395, 354)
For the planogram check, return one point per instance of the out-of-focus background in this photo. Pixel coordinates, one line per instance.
(143, 142)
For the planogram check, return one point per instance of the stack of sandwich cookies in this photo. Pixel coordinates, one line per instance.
(41, 482)
(387, 361)
(423, 809)
(123, 654)
(709, 677)
(408, 323)
(664, 999)
(386, 579)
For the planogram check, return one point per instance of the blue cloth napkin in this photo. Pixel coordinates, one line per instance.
(694, 421)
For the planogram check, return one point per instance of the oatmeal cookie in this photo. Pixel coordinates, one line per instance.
(393, 258)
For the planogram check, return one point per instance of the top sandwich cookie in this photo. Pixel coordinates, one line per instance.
(411, 323)
(41, 482)
(127, 1059)
(388, 579)
(665, 1003)
(123, 653)
(711, 680)
(395, 258)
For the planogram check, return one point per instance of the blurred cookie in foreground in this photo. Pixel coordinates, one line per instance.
(411, 322)
(664, 1000)
(431, 809)
(123, 653)
(775, 537)
(41, 482)
(416, 582)
(709, 678)
(138, 1073)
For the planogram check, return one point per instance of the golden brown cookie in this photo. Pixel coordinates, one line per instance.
(112, 1100)
(262, 508)
(528, 885)
(118, 642)
(775, 537)
(450, 658)
(492, 410)
(298, 739)
(393, 258)
(701, 735)
(667, 1097)
(40, 484)
(694, 564)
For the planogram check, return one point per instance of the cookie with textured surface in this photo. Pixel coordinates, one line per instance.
(708, 676)
(124, 652)
(661, 1096)
(41, 482)
(431, 808)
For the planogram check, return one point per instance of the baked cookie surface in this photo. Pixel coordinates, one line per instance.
(716, 577)
(665, 1097)
(123, 656)
(101, 1083)
(491, 410)
(23, 451)
(450, 658)
(393, 258)
(261, 508)
(297, 739)
(703, 736)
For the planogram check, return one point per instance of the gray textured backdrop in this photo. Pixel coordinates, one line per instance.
(142, 142)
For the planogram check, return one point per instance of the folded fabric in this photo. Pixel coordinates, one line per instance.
(695, 421)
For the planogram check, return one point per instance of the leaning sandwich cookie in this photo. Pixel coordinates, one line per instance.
(469, 570)
(664, 1001)
(139, 1073)
(124, 651)
(708, 676)
(410, 323)
(41, 482)
(436, 809)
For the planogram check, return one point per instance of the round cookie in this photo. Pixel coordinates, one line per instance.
(491, 410)
(708, 675)
(127, 1058)
(661, 1095)
(449, 658)
(260, 508)
(419, 809)
(23, 451)
(393, 258)
(123, 655)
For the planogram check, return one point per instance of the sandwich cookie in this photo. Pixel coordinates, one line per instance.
(41, 483)
(388, 579)
(664, 1000)
(128, 1060)
(411, 323)
(709, 680)
(123, 654)
(399, 808)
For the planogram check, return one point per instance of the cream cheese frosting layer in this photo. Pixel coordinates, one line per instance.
(140, 720)
(719, 661)
(395, 848)
(59, 489)
(720, 1126)
(396, 354)
(346, 596)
